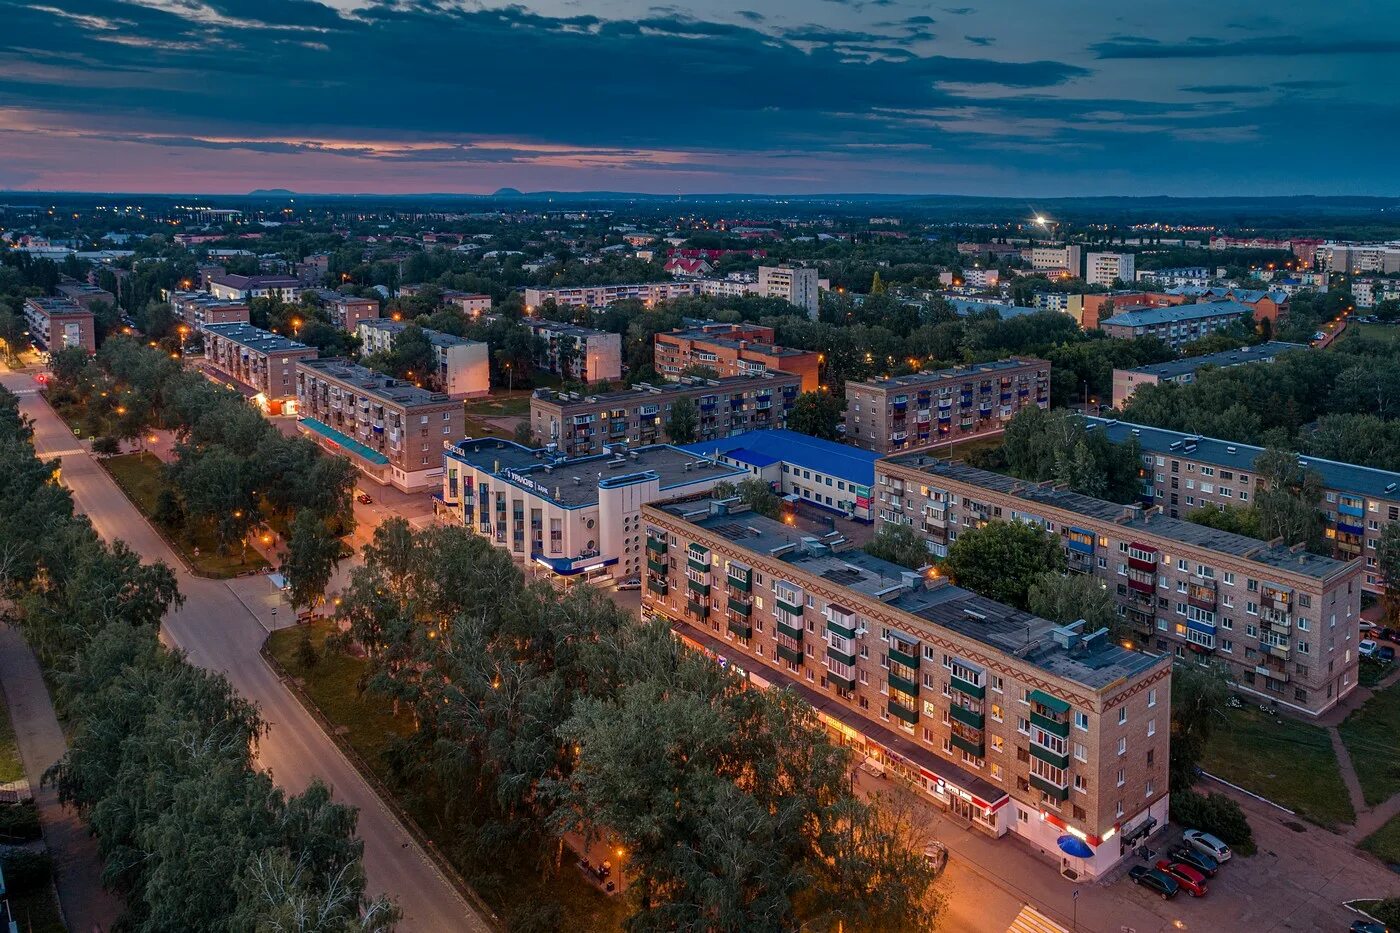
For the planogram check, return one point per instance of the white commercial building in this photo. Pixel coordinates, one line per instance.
(1069, 256)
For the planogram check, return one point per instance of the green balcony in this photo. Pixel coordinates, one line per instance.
(794, 609)
(904, 657)
(1050, 702)
(904, 685)
(699, 589)
(968, 717)
(794, 655)
(739, 606)
(656, 545)
(837, 628)
(790, 631)
(1052, 726)
(968, 688)
(740, 582)
(741, 629)
(904, 713)
(701, 565)
(841, 680)
(841, 656)
(1052, 791)
(657, 566)
(1049, 757)
(697, 608)
(976, 749)
(659, 587)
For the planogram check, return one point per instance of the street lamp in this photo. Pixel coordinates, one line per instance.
(510, 378)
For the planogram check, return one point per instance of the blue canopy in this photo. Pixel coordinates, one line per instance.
(1073, 845)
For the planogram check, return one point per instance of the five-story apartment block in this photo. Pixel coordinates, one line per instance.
(259, 360)
(732, 350)
(928, 408)
(579, 353)
(1285, 622)
(1007, 721)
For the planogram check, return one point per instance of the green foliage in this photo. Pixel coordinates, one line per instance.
(1240, 520)
(1215, 814)
(312, 555)
(1388, 567)
(684, 421)
(754, 493)
(1068, 597)
(1001, 560)
(25, 870)
(19, 822)
(817, 414)
(899, 544)
(1200, 692)
(1053, 445)
(1286, 500)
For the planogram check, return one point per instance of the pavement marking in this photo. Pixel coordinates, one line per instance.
(1030, 920)
(73, 452)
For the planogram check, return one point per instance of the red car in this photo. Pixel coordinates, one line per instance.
(1191, 881)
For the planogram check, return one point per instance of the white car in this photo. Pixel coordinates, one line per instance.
(1205, 842)
(1367, 648)
(631, 583)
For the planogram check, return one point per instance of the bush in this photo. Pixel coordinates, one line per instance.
(26, 871)
(19, 822)
(1386, 911)
(1215, 814)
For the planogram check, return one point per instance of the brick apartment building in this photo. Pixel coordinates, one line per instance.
(1183, 371)
(732, 350)
(391, 431)
(1284, 621)
(923, 409)
(577, 353)
(57, 324)
(583, 424)
(85, 296)
(1175, 326)
(200, 309)
(463, 366)
(1006, 721)
(347, 311)
(260, 363)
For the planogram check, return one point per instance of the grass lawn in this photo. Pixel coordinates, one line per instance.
(1372, 735)
(1372, 672)
(1387, 332)
(1289, 762)
(11, 767)
(37, 911)
(139, 477)
(332, 685)
(1384, 843)
(501, 404)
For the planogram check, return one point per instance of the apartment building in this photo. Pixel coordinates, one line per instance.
(347, 311)
(1089, 310)
(232, 287)
(1183, 371)
(1008, 722)
(472, 303)
(578, 424)
(463, 366)
(939, 406)
(732, 350)
(971, 278)
(577, 353)
(832, 476)
(1107, 268)
(263, 365)
(199, 309)
(1175, 326)
(600, 296)
(1370, 291)
(1284, 621)
(573, 518)
(1068, 256)
(1051, 301)
(1183, 471)
(734, 285)
(391, 431)
(85, 296)
(1180, 277)
(797, 285)
(58, 323)
(1358, 258)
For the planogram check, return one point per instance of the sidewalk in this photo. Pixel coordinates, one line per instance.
(77, 865)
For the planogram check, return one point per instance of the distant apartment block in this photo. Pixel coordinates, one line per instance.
(85, 295)
(1107, 268)
(988, 252)
(577, 353)
(923, 409)
(463, 366)
(200, 309)
(1284, 621)
(1090, 309)
(262, 365)
(1051, 301)
(1126, 381)
(347, 311)
(1359, 258)
(1188, 276)
(58, 323)
(577, 423)
(471, 303)
(391, 431)
(797, 285)
(732, 350)
(314, 269)
(734, 286)
(1175, 326)
(247, 287)
(1370, 291)
(1069, 257)
(600, 296)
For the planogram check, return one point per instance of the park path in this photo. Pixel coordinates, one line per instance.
(1368, 819)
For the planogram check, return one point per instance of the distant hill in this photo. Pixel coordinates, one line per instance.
(271, 193)
(507, 193)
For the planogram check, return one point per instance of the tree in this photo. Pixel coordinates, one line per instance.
(754, 493)
(816, 413)
(1000, 560)
(1199, 694)
(899, 544)
(1388, 566)
(524, 434)
(684, 421)
(1067, 598)
(1286, 500)
(1056, 446)
(312, 556)
(1237, 519)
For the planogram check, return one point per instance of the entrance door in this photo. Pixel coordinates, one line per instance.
(961, 807)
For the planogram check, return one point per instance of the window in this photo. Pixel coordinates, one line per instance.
(1081, 721)
(1122, 715)
(1122, 779)
(1151, 697)
(1080, 752)
(1122, 746)
(1151, 727)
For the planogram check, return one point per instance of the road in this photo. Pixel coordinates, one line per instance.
(218, 632)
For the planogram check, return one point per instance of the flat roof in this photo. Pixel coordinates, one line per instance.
(729, 339)
(57, 305)
(1173, 314)
(574, 482)
(255, 338)
(562, 327)
(942, 605)
(436, 337)
(953, 373)
(1148, 521)
(1255, 354)
(802, 450)
(371, 383)
(642, 390)
(1344, 477)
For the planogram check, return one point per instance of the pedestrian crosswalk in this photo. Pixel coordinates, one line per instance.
(1030, 920)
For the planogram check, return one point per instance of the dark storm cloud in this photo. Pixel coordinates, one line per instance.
(1271, 46)
(980, 40)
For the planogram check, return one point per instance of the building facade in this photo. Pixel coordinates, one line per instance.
(247, 287)
(391, 431)
(732, 350)
(261, 363)
(572, 518)
(797, 285)
(1069, 257)
(1107, 268)
(1175, 326)
(577, 353)
(578, 424)
(199, 309)
(463, 366)
(1089, 310)
(1008, 722)
(57, 324)
(346, 311)
(1284, 621)
(600, 296)
(924, 409)
(85, 296)
(1126, 381)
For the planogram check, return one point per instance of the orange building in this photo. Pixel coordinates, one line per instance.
(732, 350)
(1089, 310)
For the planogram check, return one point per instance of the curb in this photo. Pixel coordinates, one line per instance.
(386, 797)
(1248, 793)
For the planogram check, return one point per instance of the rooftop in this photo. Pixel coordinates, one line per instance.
(255, 338)
(574, 482)
(686, 385)
(52, 305)
(1129, 517)
(803, 450)
(436, 337)
(734, 337)
(1263, 352)
(953, 374)
(1175, 314)
(232, 280)
(368, 382)
(1345, 477)
(562, 327)
(936, 603)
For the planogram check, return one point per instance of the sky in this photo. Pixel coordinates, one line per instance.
(1015, 98)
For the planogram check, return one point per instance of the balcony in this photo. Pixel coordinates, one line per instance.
(740, 607)
(1053, 726)
(696, 608)
(909, 658)
(658, 586)
(968, 688)
(793, 632)
(1053, 791)
(790, 607)
(836, 654)
(656, 545)
(911, 716)
(975, 749)
(1049, 756)
(791, 655)
(904, 685)
(740, 628)
(841, 680)
(741, 582)
(699, 589)
(656, 566)
(968, 717)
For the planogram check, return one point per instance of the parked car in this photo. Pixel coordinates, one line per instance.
(1386, 653)
(1191, 881)
(1369, 926)
(1387, 634)
(936, 854)
(1196, 859)
(1319, 336)
(364, 498)
(1366, 648)
(631, 583)
(1165, 885)
(1368, 628)
(1205, 842)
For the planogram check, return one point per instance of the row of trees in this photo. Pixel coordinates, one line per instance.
(563, 715)
(160, 760)
(1055, 446)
